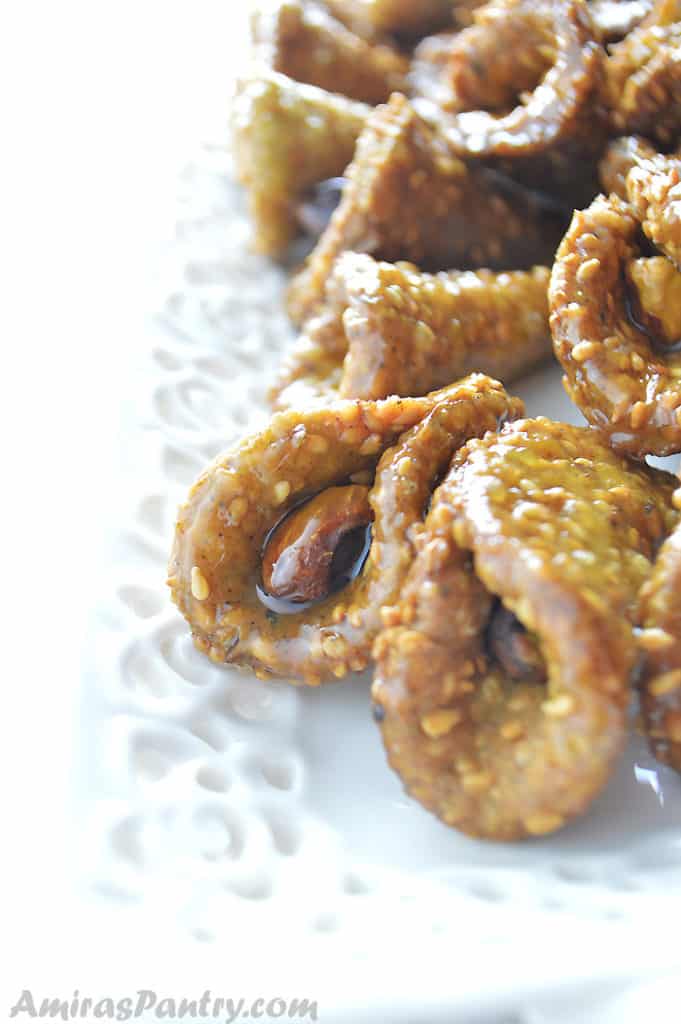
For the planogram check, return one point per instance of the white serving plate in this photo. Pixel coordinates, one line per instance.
(257, 827)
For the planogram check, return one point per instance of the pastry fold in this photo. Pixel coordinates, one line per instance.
(503, 677)
(228, 528)
(288, 136)
(407, 198)
(387, 329)
(616, 313)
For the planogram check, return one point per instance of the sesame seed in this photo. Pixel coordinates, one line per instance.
(338, 614)
(353, 435)
(440, 517)
(199, 584)
(588, 270)
(317, 444)
(439, 723)
(639, 414)
(619, 409)
(512, 730)
(654, 639)
(371, 445)
(477, 782)
(621, 492)
(237, 509)
(281, 491)
(423, 335)
(334, 646)
(460, 534)
(349, 413)
(541, 824)
(559, 707)
(665, 683)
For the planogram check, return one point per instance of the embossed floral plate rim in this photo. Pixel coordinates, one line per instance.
(251, 817)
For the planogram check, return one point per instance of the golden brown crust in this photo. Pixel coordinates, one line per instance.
(547, 519)
(373, 19)
(643, 83)
(387, 329)
(299, 38)
(621, 155)
(552, 138)
(215, 566)
(660, 638)
(287, 137)
(654, 191)
(487, 66)
(407, 198)
(464, 11)
(428, 75)
(650, 182)
(655, 295)
(625, 382)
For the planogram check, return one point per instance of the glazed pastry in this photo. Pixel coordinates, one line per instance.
(287, 137)
(643, 82)
(299, 38)
(649, 182)
(408, 198)
(387, 329)
(506, 52)
(487, 66)
(619, 158)
(289, 544)
(373, 19)
(464, 11)
(654, 192)
(503, 675)
(660, 639)
(551, 139)
(616, 314)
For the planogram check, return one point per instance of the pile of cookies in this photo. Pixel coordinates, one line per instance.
(479, 187)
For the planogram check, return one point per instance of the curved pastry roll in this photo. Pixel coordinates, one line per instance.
(503, 676)
(406, 18)
(616, 314)
(643, 82)
(487, 66)
(299, 38)
(255, 566)
(551, 136)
